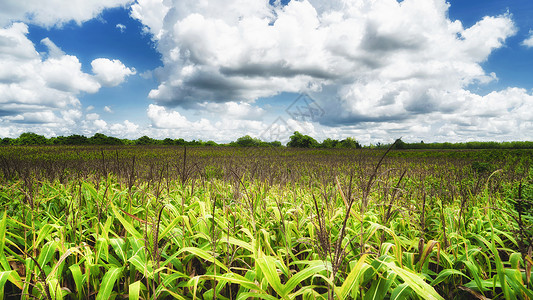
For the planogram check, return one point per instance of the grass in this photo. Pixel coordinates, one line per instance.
(262, 224)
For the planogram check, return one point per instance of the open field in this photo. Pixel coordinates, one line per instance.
(264, 223)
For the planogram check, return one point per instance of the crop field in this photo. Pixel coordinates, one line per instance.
(169, 222)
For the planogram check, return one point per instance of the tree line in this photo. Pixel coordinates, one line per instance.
(297, 140)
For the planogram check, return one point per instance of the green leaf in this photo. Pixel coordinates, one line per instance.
(204, 255)
(47, 253)
(267, 264)
(352, 280)
(297, 278)
(118, 246)
(127, 225)
(106, 286)
(401, 292)
(134, 290)
(417, 284)
(3, 278)
(380, 288)
(445, 274)
(78, 278)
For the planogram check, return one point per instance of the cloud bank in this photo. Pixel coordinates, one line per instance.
(48, 13)
(44, 88)
(378, 66)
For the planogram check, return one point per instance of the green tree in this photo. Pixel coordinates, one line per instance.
(349, 143)
(30, 138)
(145, 140)
(247, 141)
(7, 141)
(76, 139)
(329, 143)
(169, 142)
(299, 140)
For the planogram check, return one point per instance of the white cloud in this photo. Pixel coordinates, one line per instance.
(29, 83)
(121, 27)
(110, 72)
(377, 67)
(92, 117)
(528, 42)
(161, 118)
(53, 50)
(124, 129)
(220, 128)
(394, 51)
(234, 110)
(49, 13)
(108, 109)
(39, 91)
(100, 124)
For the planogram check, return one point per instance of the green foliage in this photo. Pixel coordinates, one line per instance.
(349, 142)
(298, 140)
(482, 167)
(30, 138)
(247, 141)
(102, 139)
(157, 222)
(145, 140)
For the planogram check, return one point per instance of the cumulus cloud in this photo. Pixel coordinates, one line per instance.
(110, 72)
(43, 88)
(366, 60)
(161, 118)
(528, 42)
(221, 128)
(235, 110)
(29, 83)
(49, 13)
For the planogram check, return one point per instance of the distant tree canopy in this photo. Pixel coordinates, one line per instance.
(30, 138)
(297, 140)
(248, 141)
(102, 139)
(349, 142)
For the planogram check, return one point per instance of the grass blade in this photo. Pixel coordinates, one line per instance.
(106, 286)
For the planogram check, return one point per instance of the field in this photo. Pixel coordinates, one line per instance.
(169, 222)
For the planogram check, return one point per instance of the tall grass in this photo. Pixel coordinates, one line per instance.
(354, 225)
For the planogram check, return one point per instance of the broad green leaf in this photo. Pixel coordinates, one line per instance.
(134, 290)
(353, 278)
(127, 225)
(444, 274)
(417, 284)
(118, 245)
(55, 289)
(267, 264)
(380, 288)
(204, 255)
(78, 278)
(47, 253)
(3, 278)
(106, 286)
(401, 292)
(297, 278)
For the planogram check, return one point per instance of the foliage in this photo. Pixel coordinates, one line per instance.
(30, 138)
(156, 222)
(298, 140)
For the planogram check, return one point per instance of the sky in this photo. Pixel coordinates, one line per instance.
(375, 70)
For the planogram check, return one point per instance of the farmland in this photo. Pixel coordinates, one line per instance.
(169, 222)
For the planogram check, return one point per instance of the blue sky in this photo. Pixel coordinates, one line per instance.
(216, 70)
